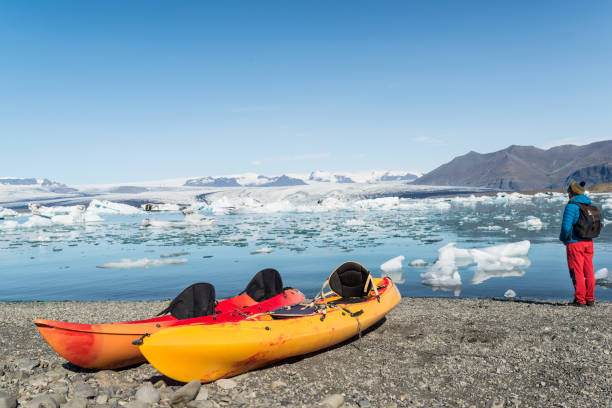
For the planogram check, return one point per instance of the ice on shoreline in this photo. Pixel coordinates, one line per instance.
(142, 263)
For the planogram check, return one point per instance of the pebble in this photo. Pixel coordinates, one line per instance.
(202, 394)
(147, 393)
(27, 364)
(200, 404)
(137, 404)
(226, 383)
(364, 404)
(277, 384)
(496, 402)
(42, 401)
(76, 402)
(84, 390)
(332, 401)
(7, 401)
(185, 394)
(102, 399)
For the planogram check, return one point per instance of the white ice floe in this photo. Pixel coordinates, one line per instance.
(142, 263)
(109, 207)
(603, 274)
(509, 294)
(190, 220)
(418, 263)
(160, 207)
(531, 223)
(491, 228)
(495, 261)
(354, 223)
(265, 250)
(393, 264)
(7, 213)
(73, 210)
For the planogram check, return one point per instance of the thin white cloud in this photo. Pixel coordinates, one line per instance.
(256, 163)
(308, 156)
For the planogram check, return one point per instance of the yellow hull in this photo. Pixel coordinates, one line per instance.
(207, 353)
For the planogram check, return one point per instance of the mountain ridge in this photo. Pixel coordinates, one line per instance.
(521, 168)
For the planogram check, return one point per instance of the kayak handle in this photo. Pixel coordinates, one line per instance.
(139, 341)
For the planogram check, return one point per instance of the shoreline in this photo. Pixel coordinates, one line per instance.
(456, 352)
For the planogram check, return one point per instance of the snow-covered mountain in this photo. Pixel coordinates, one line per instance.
(258, 180)
(42, 184)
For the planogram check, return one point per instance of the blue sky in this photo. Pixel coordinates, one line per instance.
(105, 92)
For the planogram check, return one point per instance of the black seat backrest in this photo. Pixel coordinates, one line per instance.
(195, 301)
(266, 284)
(350, 280)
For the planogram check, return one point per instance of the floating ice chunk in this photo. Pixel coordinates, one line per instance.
(6, 213)
(396, 275)
(444, 272)
(602, 274)
(191, 220)
(394, 264)
(531, 223)
(142, 263)
(491, 228)
(73, 210)
(109, 207)
(495, 261)
(265, 250)
(160, 207)
(418, 263)
(36, 221)
(509, 294)
(354, 223)
(9, 225)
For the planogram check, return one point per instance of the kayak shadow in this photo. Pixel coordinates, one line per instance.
(355, 341)
(80, 370)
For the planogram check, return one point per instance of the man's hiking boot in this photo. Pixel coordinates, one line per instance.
(576, 303)
(590, 303)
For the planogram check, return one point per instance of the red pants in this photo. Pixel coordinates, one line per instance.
(580, 263)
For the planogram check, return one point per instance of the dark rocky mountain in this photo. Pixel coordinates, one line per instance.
(213, 182)
(523, 168)
(283, 181)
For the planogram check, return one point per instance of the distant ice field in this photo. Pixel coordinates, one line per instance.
(464, 246)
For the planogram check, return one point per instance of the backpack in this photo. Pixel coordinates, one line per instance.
(195, 301)
(589, 222)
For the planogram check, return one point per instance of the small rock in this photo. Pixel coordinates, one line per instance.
(77, 402)
(364, 404)
(202, 394)
(147, 393)
(59, 398)
(277, 384)
(27, 365)
(185, 394)
(226, 383)
(42, 401)
(332, 401)
(137, 404)
(38, 381)
(496, 403)
(102, 399)
(7, 401)
(84, 390)
(201, 404)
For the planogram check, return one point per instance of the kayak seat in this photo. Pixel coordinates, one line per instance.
(266, 284)
(195, 301)
(351, 280)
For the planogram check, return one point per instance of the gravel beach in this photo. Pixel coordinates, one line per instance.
(428, 352)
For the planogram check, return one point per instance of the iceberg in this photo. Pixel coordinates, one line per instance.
(160, 207)
(603, 278)
(7, 213)
(394, 264)
(109, 207)
(531, 223)
(495, 261)
(418, 263)
(142, 263)
(509, 294)
(49, 212)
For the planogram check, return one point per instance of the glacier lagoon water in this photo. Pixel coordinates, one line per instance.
(63, 262)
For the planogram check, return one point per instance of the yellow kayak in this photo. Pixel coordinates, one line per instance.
(210, 352)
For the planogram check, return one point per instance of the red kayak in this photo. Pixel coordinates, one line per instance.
(109, 345)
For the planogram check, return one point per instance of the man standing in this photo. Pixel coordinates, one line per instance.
(579, 250)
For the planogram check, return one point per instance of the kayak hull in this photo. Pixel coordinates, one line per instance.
(207, 353)
(109, 346)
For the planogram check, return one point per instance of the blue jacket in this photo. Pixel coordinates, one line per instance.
(570, 218)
